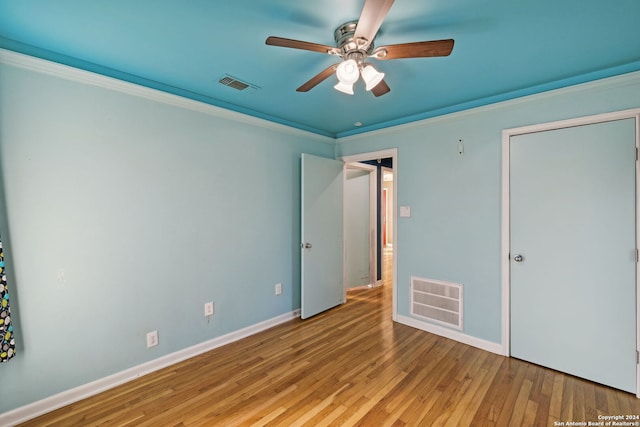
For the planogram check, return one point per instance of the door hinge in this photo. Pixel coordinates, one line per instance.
(637, 357)
(637, 256)
(636, 154)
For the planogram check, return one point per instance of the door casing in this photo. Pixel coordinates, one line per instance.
(506, 221)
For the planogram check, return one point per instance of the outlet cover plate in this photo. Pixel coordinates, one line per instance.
(208, 308)
(152, 339)
(278, 288)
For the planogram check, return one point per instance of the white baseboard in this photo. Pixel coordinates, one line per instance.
(451, 334)
(33, 410)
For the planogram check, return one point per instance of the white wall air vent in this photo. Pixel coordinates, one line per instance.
(438, 301)
(237, 84)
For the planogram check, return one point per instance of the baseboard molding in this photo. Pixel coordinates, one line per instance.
(33, 410)
(451, 334)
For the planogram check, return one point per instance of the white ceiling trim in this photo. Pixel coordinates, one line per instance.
(607, 82)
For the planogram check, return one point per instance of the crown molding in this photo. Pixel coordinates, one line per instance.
(514, 99)
(67, 72)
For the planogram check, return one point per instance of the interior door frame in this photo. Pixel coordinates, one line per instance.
(383, 154)
(506, 220)
(385, 212)
(388, 170)
(390, 207)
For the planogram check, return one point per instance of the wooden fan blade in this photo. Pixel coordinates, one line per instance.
(381, 88)
(318, 78)
(298, 44)
(414, 50)
(373, 13)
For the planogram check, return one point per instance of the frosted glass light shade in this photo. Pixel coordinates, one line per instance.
(371, 76)
(347, 72)
(344, 87)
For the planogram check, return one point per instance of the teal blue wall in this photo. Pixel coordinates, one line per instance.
(453, 233)
(151, 210)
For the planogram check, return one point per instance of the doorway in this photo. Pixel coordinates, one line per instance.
(385, 162)
(360, 216)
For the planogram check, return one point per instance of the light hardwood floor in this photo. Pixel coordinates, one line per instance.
(349, 366)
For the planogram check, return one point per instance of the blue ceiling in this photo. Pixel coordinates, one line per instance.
(503, 49)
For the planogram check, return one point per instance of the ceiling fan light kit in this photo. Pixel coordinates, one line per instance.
(354, 44)
(348, 73)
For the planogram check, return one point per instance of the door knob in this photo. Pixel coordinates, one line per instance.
(518, 258)
(306, 245)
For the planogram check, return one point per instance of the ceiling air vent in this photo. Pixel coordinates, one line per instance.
(237, 84)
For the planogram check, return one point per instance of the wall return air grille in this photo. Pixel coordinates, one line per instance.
(437, 301)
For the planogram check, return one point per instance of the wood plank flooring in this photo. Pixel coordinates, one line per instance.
(350, 366)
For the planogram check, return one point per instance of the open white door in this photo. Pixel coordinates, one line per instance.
(322, 234)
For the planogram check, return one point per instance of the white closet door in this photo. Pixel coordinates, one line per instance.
(573, 261)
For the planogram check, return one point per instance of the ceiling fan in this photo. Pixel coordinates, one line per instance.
(354, 44)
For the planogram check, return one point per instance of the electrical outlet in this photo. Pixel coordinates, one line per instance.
(152, 339)
(208, 309)
(278, 288)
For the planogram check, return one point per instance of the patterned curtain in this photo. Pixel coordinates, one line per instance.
(7, 342)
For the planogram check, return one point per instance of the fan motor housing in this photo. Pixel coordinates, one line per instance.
(345, 40)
